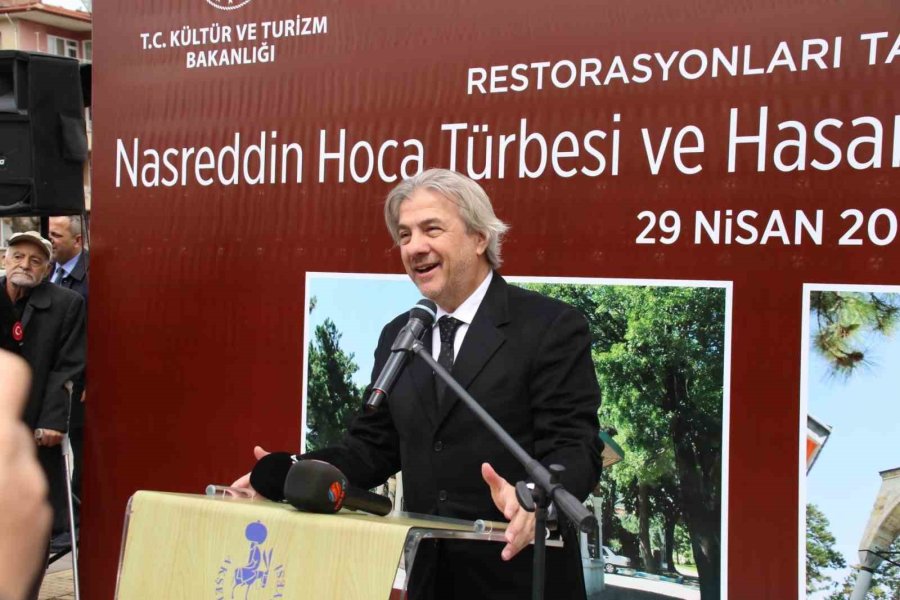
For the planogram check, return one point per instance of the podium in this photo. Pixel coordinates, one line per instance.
(183, 546)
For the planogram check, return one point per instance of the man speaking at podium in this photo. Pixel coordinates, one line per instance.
(524, 357)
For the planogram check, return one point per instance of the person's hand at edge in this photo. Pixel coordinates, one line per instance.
(48, 437)
(25, 514)
(244, 481)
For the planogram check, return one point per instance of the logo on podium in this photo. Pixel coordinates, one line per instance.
(252, 579)
(228, 4)
(336, 492)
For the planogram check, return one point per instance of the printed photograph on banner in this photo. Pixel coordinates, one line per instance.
(661, 350)
(849, 451)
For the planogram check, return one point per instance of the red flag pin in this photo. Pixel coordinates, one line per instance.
(17, 332)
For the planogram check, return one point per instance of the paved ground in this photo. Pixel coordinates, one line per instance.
(620, 587)
(58, 581)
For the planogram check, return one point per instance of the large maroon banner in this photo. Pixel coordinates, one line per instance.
(241, 145)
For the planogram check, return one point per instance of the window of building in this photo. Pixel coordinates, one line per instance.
(87, 50)
(62, 46)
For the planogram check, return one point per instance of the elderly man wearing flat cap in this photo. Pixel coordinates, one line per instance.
(44, 323)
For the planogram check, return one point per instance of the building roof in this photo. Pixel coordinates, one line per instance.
(46, 14)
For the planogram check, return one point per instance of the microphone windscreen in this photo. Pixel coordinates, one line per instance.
(425, 310)
(269, 474)
(315, 486)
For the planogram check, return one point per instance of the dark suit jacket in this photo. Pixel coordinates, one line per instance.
(77, 280)
(526, 359)
(54, 347)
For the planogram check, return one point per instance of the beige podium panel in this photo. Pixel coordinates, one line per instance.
(180, 546)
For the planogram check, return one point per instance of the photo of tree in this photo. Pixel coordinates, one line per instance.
(661, 354)
(850, 427)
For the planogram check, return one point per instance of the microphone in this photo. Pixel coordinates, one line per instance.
(319, 487)
(421, 318)
(269, 473)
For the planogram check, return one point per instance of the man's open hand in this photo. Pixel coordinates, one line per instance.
(520, 531)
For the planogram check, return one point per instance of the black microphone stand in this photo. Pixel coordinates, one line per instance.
(546, 484)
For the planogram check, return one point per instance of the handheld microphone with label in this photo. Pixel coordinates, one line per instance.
(421, 318)
(317, 486)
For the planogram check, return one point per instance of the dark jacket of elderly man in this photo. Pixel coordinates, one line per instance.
(53, 327)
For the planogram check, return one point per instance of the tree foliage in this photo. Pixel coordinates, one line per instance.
(847, 321)
(820, 552)
(332, 397)
(659, 353)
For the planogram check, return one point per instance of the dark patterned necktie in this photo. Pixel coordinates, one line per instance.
(447, 326)
(60, 274)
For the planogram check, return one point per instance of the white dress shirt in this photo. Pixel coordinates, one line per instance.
(465, 313)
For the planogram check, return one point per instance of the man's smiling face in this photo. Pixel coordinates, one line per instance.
(444, 259)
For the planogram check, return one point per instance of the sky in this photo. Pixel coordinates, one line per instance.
(70, 4)
(338, 298)
(864, 413)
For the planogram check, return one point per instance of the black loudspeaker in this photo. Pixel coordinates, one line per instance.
(43, 143)
(86, 75)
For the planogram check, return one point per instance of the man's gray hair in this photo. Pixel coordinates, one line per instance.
(75, 226)
(473, 203)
